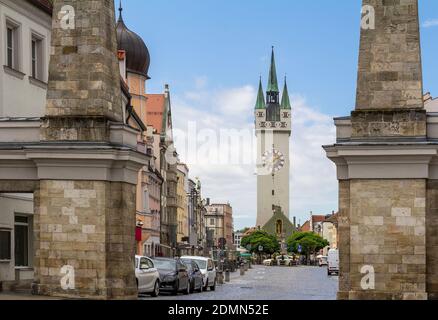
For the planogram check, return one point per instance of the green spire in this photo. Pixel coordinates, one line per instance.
(285, 102)
(272, 82)
(260, 104)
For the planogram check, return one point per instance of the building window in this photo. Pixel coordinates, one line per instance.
(21, 236)
(5, 244)
(37, 57)
(146, 201)
(12, 45)
(212, 222)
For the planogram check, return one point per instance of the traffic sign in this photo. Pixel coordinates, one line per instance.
(260, 248)
(300, 248)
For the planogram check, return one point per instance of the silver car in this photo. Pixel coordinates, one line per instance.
(147, 276)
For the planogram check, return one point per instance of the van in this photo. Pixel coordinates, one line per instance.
(333, 262)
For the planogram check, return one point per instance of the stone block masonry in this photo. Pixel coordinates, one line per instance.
(432, 239)
(88, 225)
(387, 220)
(84, 78)
(390, 74)
(389, 100)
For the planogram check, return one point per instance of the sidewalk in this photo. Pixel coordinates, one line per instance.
(17, 296)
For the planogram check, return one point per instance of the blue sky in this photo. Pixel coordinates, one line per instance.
(212, 46)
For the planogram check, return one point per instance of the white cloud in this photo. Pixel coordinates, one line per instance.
(236, 101)
(313, 178)
(430, 23)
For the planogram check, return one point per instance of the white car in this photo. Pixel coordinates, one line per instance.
(284, 260)
(322, 260)
(208, 270)
(147, 276)
(269, 262)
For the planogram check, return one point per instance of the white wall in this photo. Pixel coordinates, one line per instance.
(11, 204)
(20, 97)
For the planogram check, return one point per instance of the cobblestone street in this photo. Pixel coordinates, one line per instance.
(270, 283)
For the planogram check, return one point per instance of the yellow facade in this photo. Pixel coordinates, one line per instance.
(182, 205)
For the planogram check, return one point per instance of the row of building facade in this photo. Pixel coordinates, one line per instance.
(173, 217)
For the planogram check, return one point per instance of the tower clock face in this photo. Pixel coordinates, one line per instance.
(273, 160)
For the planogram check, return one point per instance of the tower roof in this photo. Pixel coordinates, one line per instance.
(285, 101)
(137, 54)
(260, 104)
(273, 82)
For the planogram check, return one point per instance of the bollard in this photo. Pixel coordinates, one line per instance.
(220, 277)
(246, 266)
(250, 264)
(242, 270)
(227, 275)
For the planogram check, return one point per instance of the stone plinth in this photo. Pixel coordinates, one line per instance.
(87, 226)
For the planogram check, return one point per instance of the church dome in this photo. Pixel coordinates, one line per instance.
(138, 59)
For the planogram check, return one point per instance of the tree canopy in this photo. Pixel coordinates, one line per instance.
(261, 238)
(309, 241)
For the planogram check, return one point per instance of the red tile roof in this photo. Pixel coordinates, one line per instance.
(305, 227)
(316, 219)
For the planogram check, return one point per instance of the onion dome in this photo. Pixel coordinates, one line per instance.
(138, 59)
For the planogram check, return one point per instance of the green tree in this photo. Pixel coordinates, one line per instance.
(261, 238)
(310, 242)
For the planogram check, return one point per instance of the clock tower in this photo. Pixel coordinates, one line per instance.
(273, 130)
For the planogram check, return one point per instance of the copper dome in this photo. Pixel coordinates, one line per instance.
(138, 59)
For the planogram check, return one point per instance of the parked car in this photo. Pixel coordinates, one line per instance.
(333, 262)
(322, 260)
(208, 270)
(284, 260)
(174, 276)
(147, 276)
(196, 278)
(269, 262)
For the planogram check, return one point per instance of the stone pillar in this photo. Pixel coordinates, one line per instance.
(389, 100)
(84, 79)
(381, 167)
(85, 228)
